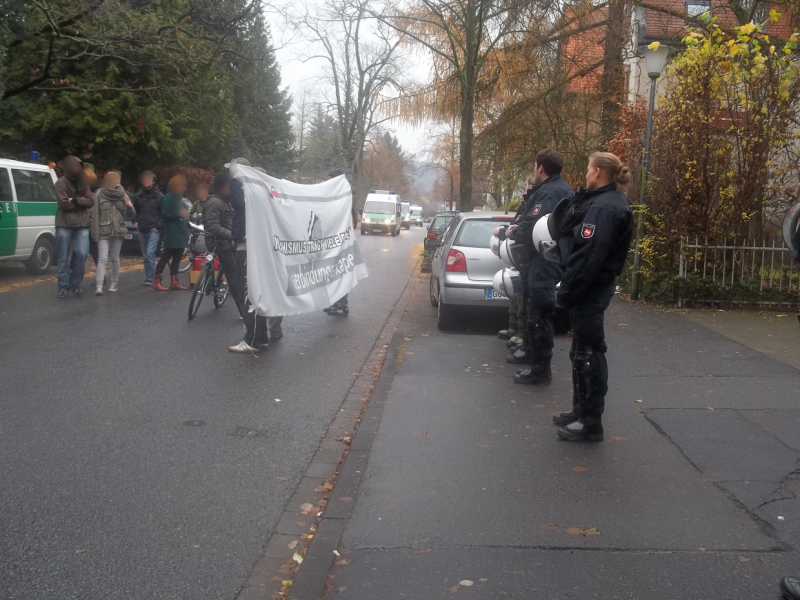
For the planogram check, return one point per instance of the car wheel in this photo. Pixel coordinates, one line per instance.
(444, 318)
(561, 322)
(432, 294)
(41, 258)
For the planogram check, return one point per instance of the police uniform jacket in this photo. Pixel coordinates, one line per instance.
(542, 201)
(594, 232)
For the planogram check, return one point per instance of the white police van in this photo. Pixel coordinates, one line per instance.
(28, 207)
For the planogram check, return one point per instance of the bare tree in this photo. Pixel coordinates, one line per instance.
(362, 71)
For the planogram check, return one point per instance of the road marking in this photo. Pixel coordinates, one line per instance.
(22, 284)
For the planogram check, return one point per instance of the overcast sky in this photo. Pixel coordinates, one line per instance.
(299, 76)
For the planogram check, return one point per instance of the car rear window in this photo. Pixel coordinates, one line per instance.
(440, 223)
(475, 233)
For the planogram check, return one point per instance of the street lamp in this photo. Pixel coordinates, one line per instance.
(655, 56)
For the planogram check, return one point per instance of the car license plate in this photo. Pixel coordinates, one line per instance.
(128, 236)
(492, 295)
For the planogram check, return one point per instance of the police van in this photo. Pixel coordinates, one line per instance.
(382, 213)
(28, 207)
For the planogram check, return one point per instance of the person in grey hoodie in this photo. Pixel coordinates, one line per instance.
(107, 227)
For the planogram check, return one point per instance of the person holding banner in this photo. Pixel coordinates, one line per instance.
(341, 307)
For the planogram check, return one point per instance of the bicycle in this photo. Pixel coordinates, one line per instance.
(208, 284)
(189, 254)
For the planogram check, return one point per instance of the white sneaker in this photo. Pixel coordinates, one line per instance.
(98, 291)
(244, 348)
(113, 287)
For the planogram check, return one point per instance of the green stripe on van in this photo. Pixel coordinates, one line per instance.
(36, 209)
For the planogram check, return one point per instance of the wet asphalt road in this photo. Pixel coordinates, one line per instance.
(140, 459)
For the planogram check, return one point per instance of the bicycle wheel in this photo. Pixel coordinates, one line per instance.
(198, 292)
(221, 294)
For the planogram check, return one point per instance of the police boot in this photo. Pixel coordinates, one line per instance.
(537, 374)
(569, 416)
(582, 430)
(790, 588)
(506, 334)
(520, 356)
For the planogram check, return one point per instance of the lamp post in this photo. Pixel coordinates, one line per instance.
(655, 56)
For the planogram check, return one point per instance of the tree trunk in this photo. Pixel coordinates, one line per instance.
(465, 148)
(612, 82)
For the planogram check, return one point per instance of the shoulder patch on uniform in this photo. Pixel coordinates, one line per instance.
(537, 208)
(587, 231)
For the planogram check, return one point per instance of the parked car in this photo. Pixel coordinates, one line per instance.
(463, 267)
(435, 230)
(28, 206)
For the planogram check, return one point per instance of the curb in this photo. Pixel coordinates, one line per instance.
(325, 496)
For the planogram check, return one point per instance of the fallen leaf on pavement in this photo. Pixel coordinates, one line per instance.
(585, 532)
(326, 486)
(580, 469)
(527, 426)
(744, 559)
(455, 588)
(80, 551)
(549, 527)
(282, 478)
(293, 544)
(341, 589)
(483, 580)
(618, 438)
(466, 582)
(345, 499)
(306, 509)
(297, 558)
(702, 549)
(486, 365)
(323, 503)
(763, 561)
(423, 550)
(424, 434)
(639, 401)
(344, 561)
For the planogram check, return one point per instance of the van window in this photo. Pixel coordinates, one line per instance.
(34, 186)
(379, 207)
(5, 186)
(475, 234)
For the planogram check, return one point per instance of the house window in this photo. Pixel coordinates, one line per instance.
(698, 8)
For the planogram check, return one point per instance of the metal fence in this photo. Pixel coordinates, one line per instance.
(767, 268)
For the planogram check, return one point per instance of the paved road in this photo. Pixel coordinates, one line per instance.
(139, 458)
(466, 491)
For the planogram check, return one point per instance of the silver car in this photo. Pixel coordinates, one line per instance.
(463, 266)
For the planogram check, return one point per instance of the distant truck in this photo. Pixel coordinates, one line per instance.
(405, 213)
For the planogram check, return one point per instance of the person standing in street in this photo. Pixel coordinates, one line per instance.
(147, 203)
(174, 218)
(199, 206)
(72, 226)
(549, 189)
(258, 329)
(111, 203)
(90, 178)
(593, 229)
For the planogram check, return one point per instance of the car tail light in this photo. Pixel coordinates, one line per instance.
(431, 234)
(456, 262)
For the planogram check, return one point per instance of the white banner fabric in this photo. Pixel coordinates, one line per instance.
(302, 254)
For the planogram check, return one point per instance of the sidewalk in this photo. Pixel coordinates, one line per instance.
(462, 488)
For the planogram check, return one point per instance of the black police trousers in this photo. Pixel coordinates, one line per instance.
(542, 279)
(588, 352)
(256, 329)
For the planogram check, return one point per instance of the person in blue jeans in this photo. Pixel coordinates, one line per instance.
(147, 204)
(72, 226)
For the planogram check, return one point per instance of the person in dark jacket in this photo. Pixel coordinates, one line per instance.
(147, 204)
(594, 229)
(174, 219)
(257, 327)
(72, 226)
(542, 275)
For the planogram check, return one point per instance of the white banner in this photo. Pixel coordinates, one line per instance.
(302, 254)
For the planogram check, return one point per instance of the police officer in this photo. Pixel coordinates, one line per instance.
(542, 274)
(517, 333)
(593, 229)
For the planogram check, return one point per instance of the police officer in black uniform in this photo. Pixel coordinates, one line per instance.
(518, 306)
(593, 229)
(542, 274)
